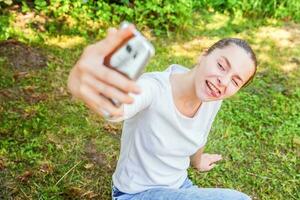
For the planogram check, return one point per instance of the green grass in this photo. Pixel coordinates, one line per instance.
(52, 147)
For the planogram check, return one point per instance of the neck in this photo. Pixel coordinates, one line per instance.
(184, 92)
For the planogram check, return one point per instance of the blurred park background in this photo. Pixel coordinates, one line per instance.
(52, 147)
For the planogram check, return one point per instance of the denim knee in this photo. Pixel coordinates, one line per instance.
(237, 195)
(218, 194)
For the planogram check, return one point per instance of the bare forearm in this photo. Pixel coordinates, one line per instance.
(196, 158)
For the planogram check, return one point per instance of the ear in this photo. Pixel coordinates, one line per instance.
(205, 52)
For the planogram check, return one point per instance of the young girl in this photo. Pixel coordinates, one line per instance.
(167, 125)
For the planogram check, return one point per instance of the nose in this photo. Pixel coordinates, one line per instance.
(223, 82)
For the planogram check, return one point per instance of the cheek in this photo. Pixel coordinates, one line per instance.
(200, 88)
(232, 90)
(208, 69)
(199, 78)
(198, 84)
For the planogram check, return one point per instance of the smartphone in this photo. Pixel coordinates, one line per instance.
(131, 56)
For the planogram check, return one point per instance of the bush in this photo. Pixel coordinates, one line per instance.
(89, 17)
(5, 29)
(159, 15)
(284, 9)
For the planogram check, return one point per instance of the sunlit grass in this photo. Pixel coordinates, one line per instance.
(64, 41)
(56, 149)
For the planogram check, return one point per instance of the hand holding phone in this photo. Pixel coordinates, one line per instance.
(94, 83)
(130, 56)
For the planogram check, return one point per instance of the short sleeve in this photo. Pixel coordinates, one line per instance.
(149, 89)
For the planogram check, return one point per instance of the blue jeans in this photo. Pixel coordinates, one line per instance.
(187, 191)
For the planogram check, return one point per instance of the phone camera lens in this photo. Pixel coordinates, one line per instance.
(128, 48)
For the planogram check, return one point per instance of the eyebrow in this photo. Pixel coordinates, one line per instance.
(229, 65)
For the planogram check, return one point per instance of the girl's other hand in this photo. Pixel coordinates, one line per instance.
(208, 161)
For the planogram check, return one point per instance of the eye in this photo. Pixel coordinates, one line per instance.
(221, 67)
(235, 83)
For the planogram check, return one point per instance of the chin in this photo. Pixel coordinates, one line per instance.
(207, 99)
(203, 97)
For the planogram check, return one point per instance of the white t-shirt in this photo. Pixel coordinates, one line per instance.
(157, 140)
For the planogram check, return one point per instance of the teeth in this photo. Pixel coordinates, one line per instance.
(212, 87)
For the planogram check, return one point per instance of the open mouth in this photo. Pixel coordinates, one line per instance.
(213, 89)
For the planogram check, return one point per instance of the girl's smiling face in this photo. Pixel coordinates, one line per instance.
(222, 72)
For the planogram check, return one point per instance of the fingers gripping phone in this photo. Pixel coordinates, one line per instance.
(131, 56)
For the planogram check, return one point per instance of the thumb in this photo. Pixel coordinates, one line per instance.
(211, 166)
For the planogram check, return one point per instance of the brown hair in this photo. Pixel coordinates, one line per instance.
(239, 42)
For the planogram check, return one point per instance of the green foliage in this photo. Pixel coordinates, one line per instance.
(5, 28)
(287, 9)
(161, 16)
(156, 14)
(4, 3)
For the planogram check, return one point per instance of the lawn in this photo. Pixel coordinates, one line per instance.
(53, 147)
